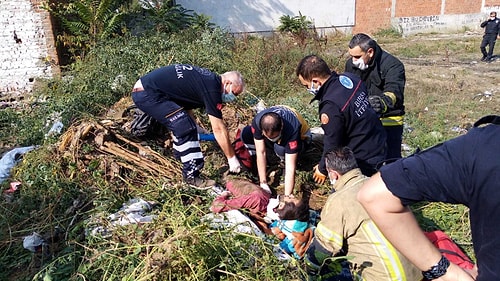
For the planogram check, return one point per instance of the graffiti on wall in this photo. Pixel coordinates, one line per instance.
(413, 24)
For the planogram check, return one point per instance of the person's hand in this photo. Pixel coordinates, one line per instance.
(380, 103)
(266, 188)
(318, 177)
(234, 165)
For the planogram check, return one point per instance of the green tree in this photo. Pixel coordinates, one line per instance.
(85, 22)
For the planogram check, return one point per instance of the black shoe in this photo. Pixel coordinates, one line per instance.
(199, 183)
(483, 59)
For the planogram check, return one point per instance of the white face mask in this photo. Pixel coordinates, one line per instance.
(333, 181)
(312, 90)
(359, 63)
(275, 139)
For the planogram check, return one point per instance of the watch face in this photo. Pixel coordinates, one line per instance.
(437, 270)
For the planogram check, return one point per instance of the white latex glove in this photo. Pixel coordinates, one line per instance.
(265, 186)
(234, 165)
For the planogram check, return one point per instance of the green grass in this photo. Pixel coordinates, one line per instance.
(62, 199)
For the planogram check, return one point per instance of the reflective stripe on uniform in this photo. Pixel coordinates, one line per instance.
(392, 121)
(185, 146)
(385, 251)
(191, 156)
(329, 235)
(251, 149)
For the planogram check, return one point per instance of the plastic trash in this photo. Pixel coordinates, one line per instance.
(260, 106)
(10, 159)
(34, 242)
(56, 129)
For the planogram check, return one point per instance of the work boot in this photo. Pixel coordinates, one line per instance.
(200, 183)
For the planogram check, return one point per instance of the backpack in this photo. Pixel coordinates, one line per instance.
(142, 125)
(449, 249)
(242, 152)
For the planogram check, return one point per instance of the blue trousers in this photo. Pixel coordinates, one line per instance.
(183, 128)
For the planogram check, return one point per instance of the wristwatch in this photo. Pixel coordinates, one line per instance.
(437, 270)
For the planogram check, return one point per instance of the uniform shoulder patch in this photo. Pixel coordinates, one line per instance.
(324, 118)
(346, 82)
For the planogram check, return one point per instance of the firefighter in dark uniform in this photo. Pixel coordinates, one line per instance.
(169, 94)
(384, 76)
(345, 113)
(288, 133)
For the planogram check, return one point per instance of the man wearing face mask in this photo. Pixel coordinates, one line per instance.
(384, 76)
(345, 229)
(345, 114)
(491, 32)
(286, 131)
(169, 94)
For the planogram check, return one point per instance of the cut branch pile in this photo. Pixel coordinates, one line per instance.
(90, 140)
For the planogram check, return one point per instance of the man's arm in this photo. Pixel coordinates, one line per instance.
(395, 80)
(399, 226)
(222, 136)
(290, 167)
(260, 153)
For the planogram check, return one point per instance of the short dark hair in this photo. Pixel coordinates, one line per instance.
(271, 122)
(364, 42)
(296, 211)
(341, 160)
(311, 66)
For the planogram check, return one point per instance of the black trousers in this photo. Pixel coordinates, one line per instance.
(488, 40)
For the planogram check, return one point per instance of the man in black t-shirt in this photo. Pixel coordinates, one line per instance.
(464, 170)
(287, 132)
(169, 94)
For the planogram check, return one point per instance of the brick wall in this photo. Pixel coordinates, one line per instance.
(417, 8)
(28, 50)
(372, 15)
(411, 16)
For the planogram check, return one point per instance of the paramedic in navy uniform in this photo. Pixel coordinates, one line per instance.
(289, 135)
(345, 113)
(170, 93)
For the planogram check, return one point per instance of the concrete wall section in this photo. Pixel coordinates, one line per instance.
(437, 23)
(264, 15)
(24, 54)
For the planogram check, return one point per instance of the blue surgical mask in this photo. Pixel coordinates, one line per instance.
(229, 97)
(312, 90)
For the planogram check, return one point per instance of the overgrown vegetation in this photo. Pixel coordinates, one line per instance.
(64, 202)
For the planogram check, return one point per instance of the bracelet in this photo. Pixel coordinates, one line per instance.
(437, 270)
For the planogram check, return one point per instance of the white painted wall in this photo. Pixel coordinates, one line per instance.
(264, 15)
(21, 63)
(438, 23)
